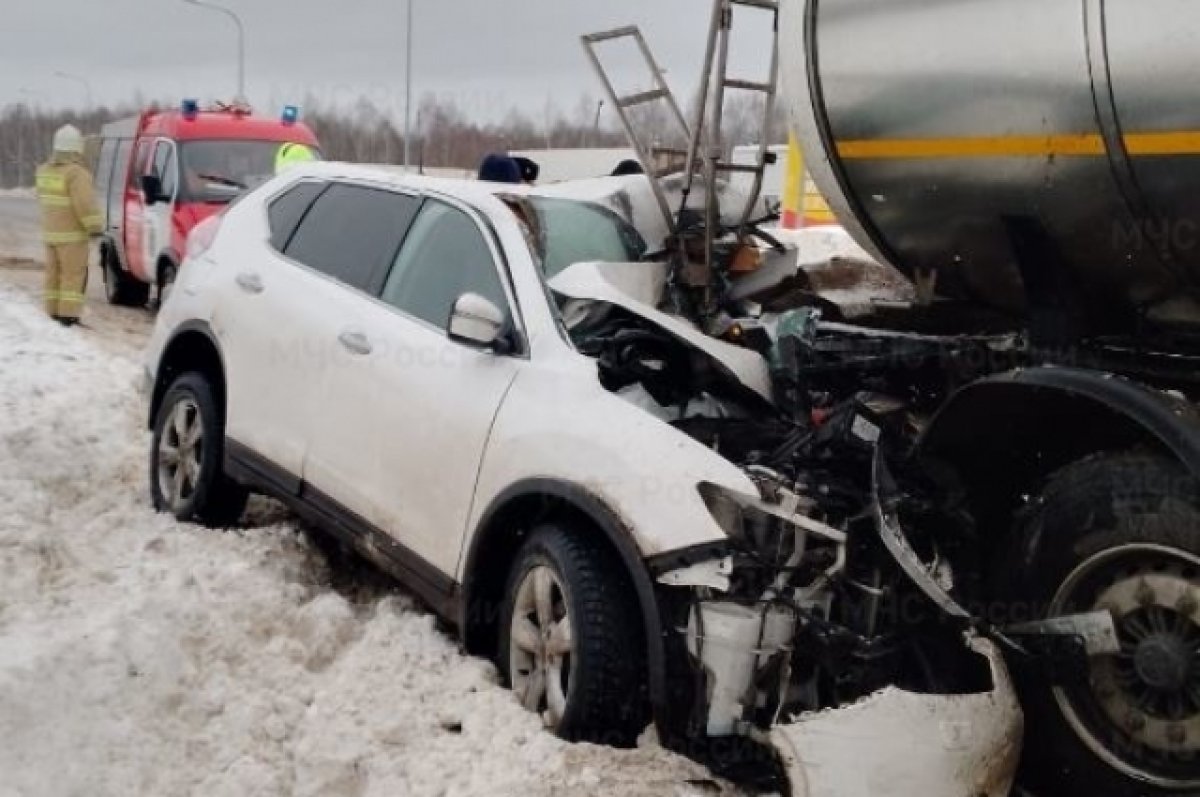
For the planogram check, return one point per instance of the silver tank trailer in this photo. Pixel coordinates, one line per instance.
(1027, 152)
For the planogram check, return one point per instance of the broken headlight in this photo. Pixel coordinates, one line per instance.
(776, 544)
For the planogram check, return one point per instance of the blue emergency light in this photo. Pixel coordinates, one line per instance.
(191, 109)
(291, 115)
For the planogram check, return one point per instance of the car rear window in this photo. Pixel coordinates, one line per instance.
(352, 233)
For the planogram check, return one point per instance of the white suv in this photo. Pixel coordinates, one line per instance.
(473, 385)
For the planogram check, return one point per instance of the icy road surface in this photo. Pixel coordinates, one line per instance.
(139, 656)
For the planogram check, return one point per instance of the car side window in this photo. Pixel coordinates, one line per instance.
(352, 233)
(104, 166)
(143, 159)
(287, 209)
(121, 174)
(444, 256)
(164, 167)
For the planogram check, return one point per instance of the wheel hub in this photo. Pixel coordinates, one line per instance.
(1140, 708)
(1163, 662)
(541, 645)
(180, 454)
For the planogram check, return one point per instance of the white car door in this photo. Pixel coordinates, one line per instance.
(415, 408)
(326, 247)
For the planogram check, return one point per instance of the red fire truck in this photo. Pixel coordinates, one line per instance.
(160, 174)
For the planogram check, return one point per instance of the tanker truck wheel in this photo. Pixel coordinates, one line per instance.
(1122, 533)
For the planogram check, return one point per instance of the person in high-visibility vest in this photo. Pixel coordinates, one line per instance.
(289, 155)
(69, 218)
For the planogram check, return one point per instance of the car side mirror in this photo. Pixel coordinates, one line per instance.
(477, 322)
(152, 189)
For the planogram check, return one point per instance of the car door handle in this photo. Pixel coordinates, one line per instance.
(355, 342)
(249, 282)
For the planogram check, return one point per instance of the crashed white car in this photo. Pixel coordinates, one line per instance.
(478, 387)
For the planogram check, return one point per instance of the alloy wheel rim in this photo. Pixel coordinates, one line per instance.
(1139, 710)
(541, 645)
(180, 454)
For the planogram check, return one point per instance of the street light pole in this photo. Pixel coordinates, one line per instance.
(596, 126)
(408, 89)
(81, 80)
(241, 31)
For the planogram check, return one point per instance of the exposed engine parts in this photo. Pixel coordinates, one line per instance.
(817, 599)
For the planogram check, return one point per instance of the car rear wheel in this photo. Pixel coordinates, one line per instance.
(187, 478)
(1119, 533)
(119, 287)
(571, 642)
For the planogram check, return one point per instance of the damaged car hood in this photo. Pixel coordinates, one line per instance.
(635, 287)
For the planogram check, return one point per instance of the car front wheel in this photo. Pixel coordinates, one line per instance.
(571, 643)
(187, 478)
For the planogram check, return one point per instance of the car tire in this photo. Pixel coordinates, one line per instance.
(187, 477)
(1118, 532)
(600, 682)
(119, 288)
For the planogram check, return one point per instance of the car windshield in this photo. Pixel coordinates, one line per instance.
(572, 232)
(218, 171)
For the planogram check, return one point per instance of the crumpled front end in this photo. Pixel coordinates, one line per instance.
(810, 649)
(827, 630)
(902, 743)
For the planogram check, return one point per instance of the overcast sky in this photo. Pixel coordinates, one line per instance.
(490, 55)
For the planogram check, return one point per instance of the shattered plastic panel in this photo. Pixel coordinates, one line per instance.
(900, 744)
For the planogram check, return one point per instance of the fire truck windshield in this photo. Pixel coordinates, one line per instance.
(216, 172)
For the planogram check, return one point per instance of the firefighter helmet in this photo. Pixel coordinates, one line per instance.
(68, 139)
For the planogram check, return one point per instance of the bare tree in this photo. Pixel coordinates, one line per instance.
(445, 134)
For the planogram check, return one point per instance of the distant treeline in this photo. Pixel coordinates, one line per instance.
(444, 135)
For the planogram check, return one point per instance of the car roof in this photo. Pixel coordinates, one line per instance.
(469, 190)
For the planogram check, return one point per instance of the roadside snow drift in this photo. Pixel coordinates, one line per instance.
(139, 656)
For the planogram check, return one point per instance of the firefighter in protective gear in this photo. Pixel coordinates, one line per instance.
(69, 218)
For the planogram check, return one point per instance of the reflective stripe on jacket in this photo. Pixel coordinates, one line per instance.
(65, 192)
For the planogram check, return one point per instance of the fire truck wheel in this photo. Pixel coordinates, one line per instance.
(167, 273)
(119, 287)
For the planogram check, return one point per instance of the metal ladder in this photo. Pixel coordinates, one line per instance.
(706, 156)
(707, 150)
(646, 151)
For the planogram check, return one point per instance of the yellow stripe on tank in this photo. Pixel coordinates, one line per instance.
(1169, 143)
(1085, 144)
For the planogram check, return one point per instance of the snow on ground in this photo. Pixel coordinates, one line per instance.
(139, 656)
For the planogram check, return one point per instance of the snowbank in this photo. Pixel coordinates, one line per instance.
(140, 656)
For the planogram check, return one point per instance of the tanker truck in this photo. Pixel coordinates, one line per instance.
(1033, 165)
(1000, 445)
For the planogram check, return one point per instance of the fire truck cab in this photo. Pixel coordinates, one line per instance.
(160, 174)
